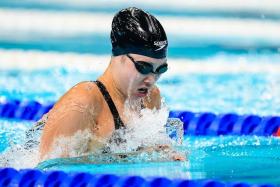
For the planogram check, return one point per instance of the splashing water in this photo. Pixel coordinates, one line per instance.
(144, 129)
(22, 151)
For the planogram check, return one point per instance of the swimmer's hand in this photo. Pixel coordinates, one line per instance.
(175, 155)
(179, 157)
(166, 149)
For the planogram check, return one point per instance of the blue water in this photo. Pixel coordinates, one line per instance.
(243, 93)
(12, 132)
(249, 159)
(100, 44)
(158, 11)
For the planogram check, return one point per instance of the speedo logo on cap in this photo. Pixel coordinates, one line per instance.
(160, 44)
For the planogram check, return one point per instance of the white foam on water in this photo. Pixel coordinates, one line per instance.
(82, 143)
(23, 150)
(25, 154)
(146, 129)
(20, 158)
(18, 155)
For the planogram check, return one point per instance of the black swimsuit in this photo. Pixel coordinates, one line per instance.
(119, 125)
(117, 119)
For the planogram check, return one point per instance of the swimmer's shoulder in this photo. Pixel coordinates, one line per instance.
(77, 110)
(87, 88)
(89, 93)
(153, 100)
(85, 93)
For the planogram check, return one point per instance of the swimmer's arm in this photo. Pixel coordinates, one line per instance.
(165, 149)
(73, 113)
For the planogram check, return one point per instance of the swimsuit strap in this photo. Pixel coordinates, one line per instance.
(117, 119)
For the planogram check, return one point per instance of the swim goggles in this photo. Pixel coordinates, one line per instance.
(146, 68)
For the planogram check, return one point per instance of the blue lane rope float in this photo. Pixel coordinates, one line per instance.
(8, 108)
(227, 124)
(82, 179)
(30, 177)
(204, 123)
(9, 177)
(25, 110)
(33, 177)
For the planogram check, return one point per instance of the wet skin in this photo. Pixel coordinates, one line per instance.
(84, 108)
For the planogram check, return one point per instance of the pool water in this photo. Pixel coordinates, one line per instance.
(225, 90)
(253, 159)
(12, 132)
(247, 158)
(220, 62)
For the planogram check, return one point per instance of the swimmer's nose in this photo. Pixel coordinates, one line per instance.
(150, 79)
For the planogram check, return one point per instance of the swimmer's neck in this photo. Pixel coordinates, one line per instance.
(112, 86)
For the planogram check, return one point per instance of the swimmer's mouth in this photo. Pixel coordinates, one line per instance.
(143, 90)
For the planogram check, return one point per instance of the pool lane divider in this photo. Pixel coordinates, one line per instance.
(207, 123)
(202, 123)
(34, 177)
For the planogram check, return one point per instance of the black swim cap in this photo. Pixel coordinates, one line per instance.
(138, 32)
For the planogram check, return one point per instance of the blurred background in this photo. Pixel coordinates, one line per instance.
(224, 55)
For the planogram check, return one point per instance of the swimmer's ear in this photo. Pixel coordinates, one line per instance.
(120, 58)
(123, 57)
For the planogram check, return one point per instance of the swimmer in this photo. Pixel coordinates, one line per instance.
(139, 58)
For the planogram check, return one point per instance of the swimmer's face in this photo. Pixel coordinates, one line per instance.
(143, 72)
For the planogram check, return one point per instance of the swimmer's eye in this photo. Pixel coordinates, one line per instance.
(146, 68)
